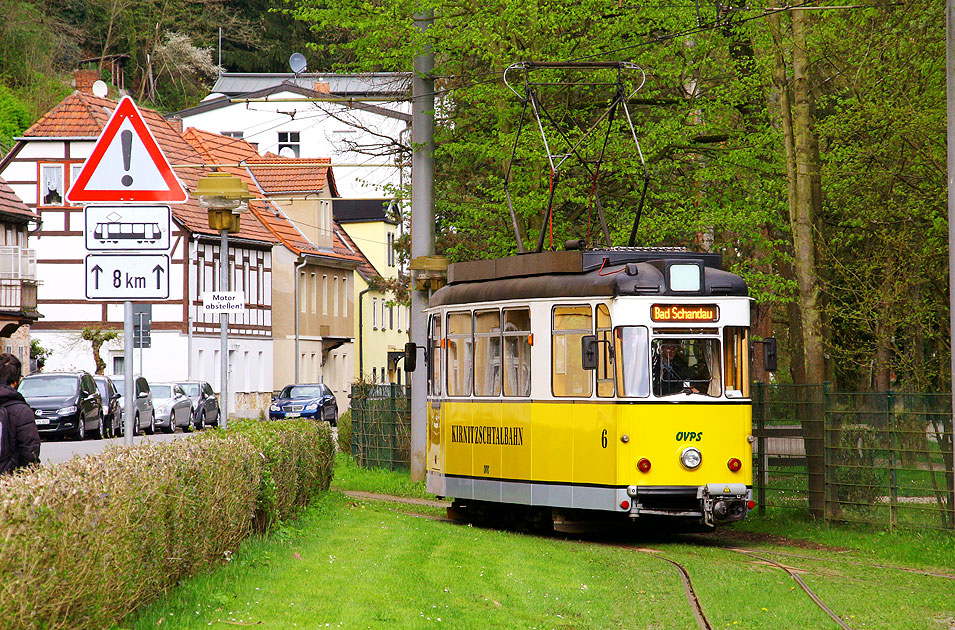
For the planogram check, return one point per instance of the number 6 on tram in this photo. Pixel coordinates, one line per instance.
(610, 382)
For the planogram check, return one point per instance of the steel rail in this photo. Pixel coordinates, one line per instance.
(815, 598)
(701, 621)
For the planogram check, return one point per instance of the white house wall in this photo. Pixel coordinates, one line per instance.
(322, 134)
(61, 250)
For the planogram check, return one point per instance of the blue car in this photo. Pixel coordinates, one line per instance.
(306, 400)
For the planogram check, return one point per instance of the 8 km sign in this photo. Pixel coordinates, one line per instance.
(127, 276)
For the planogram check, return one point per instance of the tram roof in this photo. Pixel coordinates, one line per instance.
(588, 273)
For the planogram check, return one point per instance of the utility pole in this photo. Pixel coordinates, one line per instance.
(422, 231)
(950, 119)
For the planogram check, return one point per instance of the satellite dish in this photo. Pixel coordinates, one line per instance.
(298, 63)
(287, 152)
(100, 89)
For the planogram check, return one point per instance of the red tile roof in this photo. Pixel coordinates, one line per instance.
(83, 115)
(10, 204)
(277, 175)
(218, 149)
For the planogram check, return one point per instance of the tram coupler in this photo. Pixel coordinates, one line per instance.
(724, 502)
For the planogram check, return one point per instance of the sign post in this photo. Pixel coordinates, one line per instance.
(127, 167)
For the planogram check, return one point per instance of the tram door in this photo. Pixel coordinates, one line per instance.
(435, 454)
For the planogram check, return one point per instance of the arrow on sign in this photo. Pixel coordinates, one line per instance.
(97, 270)
(158, 270)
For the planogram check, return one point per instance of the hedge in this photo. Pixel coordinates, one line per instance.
(84, 543)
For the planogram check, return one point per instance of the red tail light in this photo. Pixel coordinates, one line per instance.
(643, 465)
(625, 504)
(751, 504)
(734, 464)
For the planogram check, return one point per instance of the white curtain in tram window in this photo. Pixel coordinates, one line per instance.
(711, 352)
(636, 367)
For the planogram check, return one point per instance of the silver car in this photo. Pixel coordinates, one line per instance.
(172, 406)
(143, 417)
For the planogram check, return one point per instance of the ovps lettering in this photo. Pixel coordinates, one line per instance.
(689, 436)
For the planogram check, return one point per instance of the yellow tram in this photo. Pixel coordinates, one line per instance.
(611, 381)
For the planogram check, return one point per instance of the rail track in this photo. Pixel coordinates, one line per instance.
(696, 606)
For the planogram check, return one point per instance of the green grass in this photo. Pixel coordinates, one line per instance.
(363, 565)
(348, 563)
(350, 476)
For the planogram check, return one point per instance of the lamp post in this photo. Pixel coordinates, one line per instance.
(226, 197)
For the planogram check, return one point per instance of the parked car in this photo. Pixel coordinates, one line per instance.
(112, 411)
(205, 404)
(64, 403)
(144, 418)
(172, 407)
(305, 400)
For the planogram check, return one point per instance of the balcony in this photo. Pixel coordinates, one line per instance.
(18, 288)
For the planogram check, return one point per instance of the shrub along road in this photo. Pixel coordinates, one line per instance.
(59, 451)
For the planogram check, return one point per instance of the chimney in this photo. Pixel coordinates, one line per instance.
(83, 80)
(324, 88)
(176, 123)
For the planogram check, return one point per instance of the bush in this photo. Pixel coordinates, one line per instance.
(344, 432)
(87, 541)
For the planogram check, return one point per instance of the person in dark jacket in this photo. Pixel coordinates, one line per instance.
(19, 438)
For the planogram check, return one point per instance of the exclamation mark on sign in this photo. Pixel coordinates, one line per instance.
(126, 137)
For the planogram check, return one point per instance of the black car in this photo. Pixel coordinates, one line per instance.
(64, 403)
(305, 400)
(205, 404)
(112, 411)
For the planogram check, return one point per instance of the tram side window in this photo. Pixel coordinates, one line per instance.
(487, 353)
(604, 361)
(571, 323)
(736, 345)
(517, 352)
(686, 366)
(633, 361)
(435, 367)
(460, 354)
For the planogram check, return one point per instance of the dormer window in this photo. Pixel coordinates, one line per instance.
(289, 143)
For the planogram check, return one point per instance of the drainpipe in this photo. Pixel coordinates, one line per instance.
(361, 329)
(298, 310)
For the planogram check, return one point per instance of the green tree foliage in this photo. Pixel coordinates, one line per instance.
(709, 123)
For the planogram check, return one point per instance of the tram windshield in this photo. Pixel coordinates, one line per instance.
(685, 366)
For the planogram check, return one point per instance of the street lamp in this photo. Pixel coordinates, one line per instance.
(226, 197)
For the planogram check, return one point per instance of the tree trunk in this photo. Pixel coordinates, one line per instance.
(802, 167)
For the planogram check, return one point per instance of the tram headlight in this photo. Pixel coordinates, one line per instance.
(691, 457)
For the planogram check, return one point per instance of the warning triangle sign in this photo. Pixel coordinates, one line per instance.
(126, 164)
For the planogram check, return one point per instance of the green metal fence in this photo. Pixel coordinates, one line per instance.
(884, 459)
(381, 426)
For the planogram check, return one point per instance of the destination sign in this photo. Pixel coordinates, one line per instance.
(684, 313)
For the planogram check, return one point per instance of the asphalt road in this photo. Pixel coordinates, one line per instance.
(60, 450)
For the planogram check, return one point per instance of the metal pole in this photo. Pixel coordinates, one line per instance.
(950, 94)
(224, 285)
(129, 389)
(422, 230)
(298, 310)
(142, 368)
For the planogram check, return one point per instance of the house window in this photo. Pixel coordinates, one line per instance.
(314, 293)
(391, 317)
(51, 185)
(119, 367)
(233, 134)
(345, 296)
(374, 313)
(391, 249)
(335, 296)
(400, 308)
(324, 295)
(289, 143)
(302, 291)
(74, 173)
